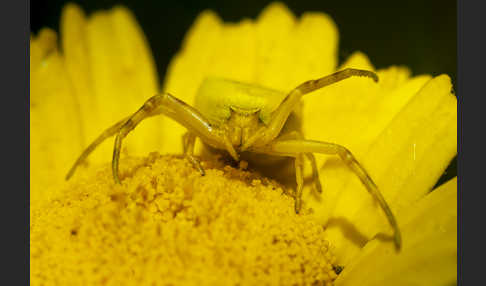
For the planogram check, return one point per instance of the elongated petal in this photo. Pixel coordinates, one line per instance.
(54, 116)
(292, 51)
(429, 254)
(405, 161)
(76, 58)
(111, 65)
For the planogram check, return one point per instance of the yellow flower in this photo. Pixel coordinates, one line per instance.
(403, 130)
(104, 72)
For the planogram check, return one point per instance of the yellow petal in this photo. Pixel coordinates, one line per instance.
(405, 161)
(276, 51)
(291, 51)
(110, 61)
(275, 29)
(54, 116)
(75, 52)
(358, 60)
(429, 253)
(41, 46)
(184, 73)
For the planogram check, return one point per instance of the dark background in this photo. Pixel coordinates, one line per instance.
(420, 34)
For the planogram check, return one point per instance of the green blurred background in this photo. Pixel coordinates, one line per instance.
(419, 34)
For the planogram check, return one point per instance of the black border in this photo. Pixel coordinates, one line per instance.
(15, 118)
(471, 202)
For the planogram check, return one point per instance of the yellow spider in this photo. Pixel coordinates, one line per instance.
(242, 118)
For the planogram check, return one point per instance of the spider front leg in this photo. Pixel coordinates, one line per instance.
(268, 133)
(174, 108)
(159, 104)
(294, 147)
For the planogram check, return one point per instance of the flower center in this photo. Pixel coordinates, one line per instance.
(167, 222)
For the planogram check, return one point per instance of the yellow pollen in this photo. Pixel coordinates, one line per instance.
(168, 225)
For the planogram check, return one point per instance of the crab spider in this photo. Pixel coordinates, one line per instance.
(239, 117)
